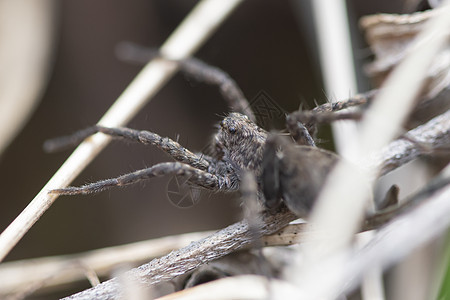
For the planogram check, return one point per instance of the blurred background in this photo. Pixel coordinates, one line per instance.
(264, 45)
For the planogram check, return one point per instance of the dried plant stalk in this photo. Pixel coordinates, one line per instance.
(347, 185)
(186, 39)
(27, 40)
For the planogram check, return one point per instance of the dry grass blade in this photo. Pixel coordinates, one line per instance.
(185, 40)
(27, 39)
(245, 287)
(347, 186)
(336, 57)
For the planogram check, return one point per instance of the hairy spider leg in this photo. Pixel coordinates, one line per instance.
(325, 113)
(299, 132)
(198, 177)
(171, 147)
(229, 89)
(199, 71)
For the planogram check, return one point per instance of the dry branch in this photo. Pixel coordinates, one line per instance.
(178, 262)
(58, 270)
(432, 136)
(238, 235)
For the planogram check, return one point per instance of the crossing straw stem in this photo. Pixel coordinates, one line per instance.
(201, 22)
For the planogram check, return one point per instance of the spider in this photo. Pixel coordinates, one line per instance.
(218, 173)
(284, 171)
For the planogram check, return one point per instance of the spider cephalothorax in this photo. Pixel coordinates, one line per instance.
(241, 142)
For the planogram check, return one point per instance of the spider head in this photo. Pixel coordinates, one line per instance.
(241, 142)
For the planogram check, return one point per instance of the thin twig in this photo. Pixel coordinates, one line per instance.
(186, 39)
(336, 57)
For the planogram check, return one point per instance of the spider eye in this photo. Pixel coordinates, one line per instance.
(232, 130)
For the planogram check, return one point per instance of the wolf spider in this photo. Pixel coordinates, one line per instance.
(294, 174)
